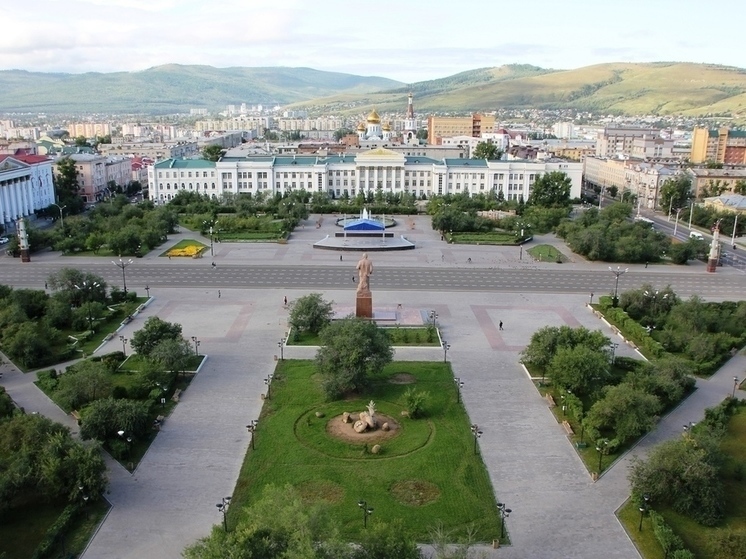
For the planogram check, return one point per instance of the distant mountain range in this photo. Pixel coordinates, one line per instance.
(620, 88)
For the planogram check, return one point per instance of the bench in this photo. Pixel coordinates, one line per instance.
(176, 395)
(580, 445)
(568, 428)
(550, 400)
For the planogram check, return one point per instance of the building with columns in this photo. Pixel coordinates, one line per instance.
(25, 186)
(368, 171)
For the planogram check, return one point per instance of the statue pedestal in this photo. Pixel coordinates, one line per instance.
(712, 265)
(364, 305)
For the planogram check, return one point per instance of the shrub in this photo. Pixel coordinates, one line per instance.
(415, 400)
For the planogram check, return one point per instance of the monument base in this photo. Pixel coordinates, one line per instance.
(364, 305)
(25, 255)
(712, 265)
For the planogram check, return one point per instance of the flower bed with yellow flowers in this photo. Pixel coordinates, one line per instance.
(189, 251)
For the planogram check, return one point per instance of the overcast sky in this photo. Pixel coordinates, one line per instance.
(406, 40)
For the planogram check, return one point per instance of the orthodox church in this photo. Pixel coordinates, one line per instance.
(371, 130)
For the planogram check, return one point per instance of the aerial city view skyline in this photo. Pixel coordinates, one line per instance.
(401, 280)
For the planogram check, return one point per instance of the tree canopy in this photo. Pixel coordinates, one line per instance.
(486, 150)
(551, 190)
(213, 152)
(352, 351)
(155, 330)
(310, 313)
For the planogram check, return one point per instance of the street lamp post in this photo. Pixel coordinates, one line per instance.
(252, 429)
(62, 223)
(129, 444)
(676, 224)
(88, 288)
(212, 224)
(223, 507)
(618, 272)
(147, 290)
(735, 386)
(433, 318)
(477, 432)
(446, 347)
(124, 345)
(504, 513)
(601, 448)
(123, 264)
(268, 382)
(459, 386)
(281, 345)
(196, 345)
(367, 511)
(643, 508)
(614, 345)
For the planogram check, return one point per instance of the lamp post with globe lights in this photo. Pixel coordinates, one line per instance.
(123, 264)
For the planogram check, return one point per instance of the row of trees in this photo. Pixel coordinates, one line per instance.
(39, 460)
(608, 235)
(703, 333)
(612, 398)
(34, 325)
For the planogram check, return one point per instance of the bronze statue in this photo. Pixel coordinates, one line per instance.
(364, 270)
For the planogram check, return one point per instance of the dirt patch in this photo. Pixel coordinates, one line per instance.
(403, 378)
(313, 491)
(344, 431)
(415, 492)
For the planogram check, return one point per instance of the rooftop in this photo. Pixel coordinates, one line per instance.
(185, 164)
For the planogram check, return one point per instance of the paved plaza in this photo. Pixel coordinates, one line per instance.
(558, 511)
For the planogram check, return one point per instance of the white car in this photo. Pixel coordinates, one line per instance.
(4, 240)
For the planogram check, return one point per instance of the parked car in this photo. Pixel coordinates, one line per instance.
(4, 240)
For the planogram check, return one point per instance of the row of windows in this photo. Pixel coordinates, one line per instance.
(181, 175)
(183, 186)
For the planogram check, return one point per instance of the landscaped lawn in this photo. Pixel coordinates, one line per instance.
(488, 238)
(399, 337)
(547, 253)
(22, 531)
(426, 474)
(645, 540)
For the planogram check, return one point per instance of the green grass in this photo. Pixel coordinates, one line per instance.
(489, 238)
(547, 253)
(136, 362)
(435, 452)
(644, 540)
(399, 337)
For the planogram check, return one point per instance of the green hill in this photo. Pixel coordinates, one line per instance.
(173, 88)
(621, 88)
(652, 88)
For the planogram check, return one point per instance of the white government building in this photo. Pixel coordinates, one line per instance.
(362, 172)
(25, 186)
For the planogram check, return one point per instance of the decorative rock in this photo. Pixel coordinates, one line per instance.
(346, 417)
(319, 414)
(376, 449)
(360, 426)
(385, 427)
(404, 413)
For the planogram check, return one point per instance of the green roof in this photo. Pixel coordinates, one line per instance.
(303, 160)
(414, 159)
(737, 134)
(476, 163)
(185, 164)
(259, 158)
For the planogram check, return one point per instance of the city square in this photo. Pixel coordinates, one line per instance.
(558, 510)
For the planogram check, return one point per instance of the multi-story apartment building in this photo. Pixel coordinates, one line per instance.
(720, 146)
(118, 170)
(89, 129)
(91, 171)
(439, 127)
(618, 142)
(651, 147)
(643, 179)
(157, 151)
(366, 172)
(705, 181)
(25, 186)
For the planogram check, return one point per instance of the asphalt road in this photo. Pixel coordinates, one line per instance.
(598, 281)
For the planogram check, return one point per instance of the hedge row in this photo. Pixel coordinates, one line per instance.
(56, 531)
(629, 328)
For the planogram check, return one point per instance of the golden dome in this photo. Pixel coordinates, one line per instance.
(373, 117)
(361, 127)
(386, 127)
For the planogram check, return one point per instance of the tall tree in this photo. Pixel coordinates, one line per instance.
(486, 150)
(66, 187)
(152, 333)
(676, 193)
(310, 313)
(212, 152)
(352, 351)
(551, 190)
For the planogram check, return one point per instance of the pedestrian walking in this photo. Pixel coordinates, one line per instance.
(214, 265)
(501, 325)
(442, 257)
(169, 257)
(340, 258)
(218, 294)
(285, 300)
(45, 285)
